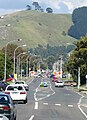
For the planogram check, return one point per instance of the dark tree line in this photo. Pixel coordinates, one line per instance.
(39, 8)
(78, 58)
(79, 19)
(51, 53)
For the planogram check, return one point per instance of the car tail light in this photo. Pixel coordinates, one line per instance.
(5, 107)
(7, 92)
(22, 92)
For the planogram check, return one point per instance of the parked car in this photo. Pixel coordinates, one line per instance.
(59, 84)
(23, 83)
(70, 83)
(7, 107)
(17, 92)
(3, 85)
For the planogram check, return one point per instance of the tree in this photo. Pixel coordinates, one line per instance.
(9, 66)
(79, 19)
(28, 7)
(50, 61)
(36, 4)
(78, 59)
(49, 10)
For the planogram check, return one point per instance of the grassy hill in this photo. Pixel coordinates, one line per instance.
(36, 28)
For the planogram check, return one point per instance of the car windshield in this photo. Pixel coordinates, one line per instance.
(14, 88)
(4, 98)
(19, 82)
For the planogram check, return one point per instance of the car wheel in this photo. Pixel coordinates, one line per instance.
(25, 101)
(15, 118)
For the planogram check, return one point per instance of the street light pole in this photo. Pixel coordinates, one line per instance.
(14, 55)
(18, 63)
(6, 56)
(78, 78)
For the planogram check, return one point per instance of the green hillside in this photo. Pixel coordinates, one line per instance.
(36, 28)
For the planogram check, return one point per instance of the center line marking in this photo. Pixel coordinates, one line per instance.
(58, 104)
(70, 105)
(45, 103)
(36, 105)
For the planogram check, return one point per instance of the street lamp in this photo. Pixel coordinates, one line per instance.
(6, 55)
(18, 62)
(14, 54)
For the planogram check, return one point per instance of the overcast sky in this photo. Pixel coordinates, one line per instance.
(58, 6)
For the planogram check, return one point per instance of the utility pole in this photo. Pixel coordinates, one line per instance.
(78, 78)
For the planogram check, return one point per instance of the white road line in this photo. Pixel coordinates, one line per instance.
(82, 111)
(45, 103)
(45, 96)
(70, 105)
(58, 104)
(79, 106)
(31, 118)
(36, 106)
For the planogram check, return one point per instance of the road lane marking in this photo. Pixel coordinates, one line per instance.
(45, 103)
(31, 118)
(79, 106)
(58, 104)
(37, 89)
(36, 106)
(82, 111)
(70, 105)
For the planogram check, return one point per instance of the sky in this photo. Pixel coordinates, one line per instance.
(58, 6)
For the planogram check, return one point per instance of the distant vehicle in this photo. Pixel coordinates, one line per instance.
(52, 75)
(70, 83)
(23, 83)
(39, 75)
(3, 85)
(43, 84)
(59, 84)
(7, 107)
(63, 75)
(17, 92)
(54, 79)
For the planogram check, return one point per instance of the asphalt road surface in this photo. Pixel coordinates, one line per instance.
(50, 103)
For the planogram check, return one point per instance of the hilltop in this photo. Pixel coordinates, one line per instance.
(36, 28)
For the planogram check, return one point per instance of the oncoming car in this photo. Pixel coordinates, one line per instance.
(43, 84)
(59, 84)
(17, 92)
(23, 83)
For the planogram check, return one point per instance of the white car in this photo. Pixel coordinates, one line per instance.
(59, 84)
(23, 83)
(17, 92)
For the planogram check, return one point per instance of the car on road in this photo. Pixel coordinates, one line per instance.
(43, 84)
(23, 83)
(3, 85)
(17, 92)
(7, 107)
(54, 79)
(70, 83)
(59, 84)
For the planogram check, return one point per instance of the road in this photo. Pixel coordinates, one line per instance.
(50, 103)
